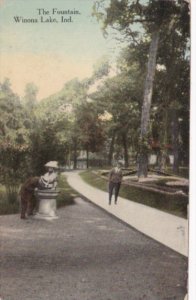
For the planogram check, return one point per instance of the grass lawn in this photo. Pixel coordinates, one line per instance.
(67, 194)
(183, 172)
(65, 197)
(174, 204)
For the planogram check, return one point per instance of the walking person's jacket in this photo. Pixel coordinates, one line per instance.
(115, 175)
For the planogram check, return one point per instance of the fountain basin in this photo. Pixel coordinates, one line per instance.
(46, 204)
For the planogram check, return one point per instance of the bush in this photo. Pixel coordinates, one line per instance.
(8, 205)
(67, 194)
(13, 168)
(45, 145)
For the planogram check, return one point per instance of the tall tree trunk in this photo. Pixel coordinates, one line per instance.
(162, 158)
(111, 151)
(175, 140)
(75, 155)
(126, 155)
(87, 158)
(168, 97)
(69, 158)
(148, 88)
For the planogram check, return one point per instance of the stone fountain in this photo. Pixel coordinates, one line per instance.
(47, 204)
(47, 193)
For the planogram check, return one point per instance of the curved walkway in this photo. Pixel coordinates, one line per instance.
(165, 228)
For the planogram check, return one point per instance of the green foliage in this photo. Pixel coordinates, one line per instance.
(63, 102)
(108, 120)
(90, 128)
(143, 145)
(30, 97)
(120, 97)
(101, 68)
(122, 15)
(12, 162)
(136, 22)
(46, 145)
(68, 122)
(12, 127)
(67, 194)
(9, 203)
(57, 123)
(7, 208)
(171, 100)
(14, 146)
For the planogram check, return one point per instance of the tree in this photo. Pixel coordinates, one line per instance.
(30, 97)
(46, 143)
(67, 106)
(90, 129)
(171, 100)
(154, 16)
(119, 97)
(59, 109)
(13, 140)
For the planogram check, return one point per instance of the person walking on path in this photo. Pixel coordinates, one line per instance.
(115, 179)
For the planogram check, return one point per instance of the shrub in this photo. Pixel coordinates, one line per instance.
(8, 206)
(67, 194)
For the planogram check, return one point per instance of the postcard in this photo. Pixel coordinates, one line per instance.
(95, 150)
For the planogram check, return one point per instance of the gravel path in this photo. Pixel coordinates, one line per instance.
(85, 255)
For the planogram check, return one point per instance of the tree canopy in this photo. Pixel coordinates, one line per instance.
(115, 114)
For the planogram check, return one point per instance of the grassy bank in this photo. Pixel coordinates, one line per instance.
(6, 206)
(66, 197)
(174, 204)
(67, 194)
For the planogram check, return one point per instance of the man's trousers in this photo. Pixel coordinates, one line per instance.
(114, 187)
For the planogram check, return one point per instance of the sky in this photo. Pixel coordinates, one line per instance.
(49, 54)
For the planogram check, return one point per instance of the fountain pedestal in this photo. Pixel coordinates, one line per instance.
(47, 204)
